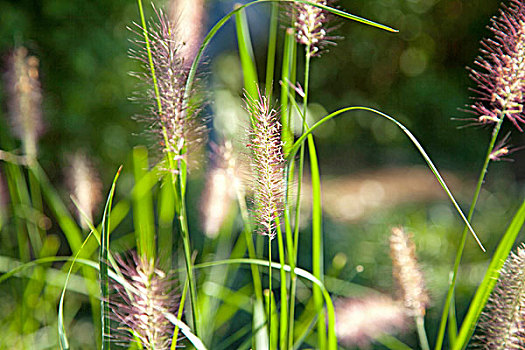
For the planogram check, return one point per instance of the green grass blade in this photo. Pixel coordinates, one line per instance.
(412, 138)
(180, 312)
(248, 64)
(317, 240)
(104, 268)
(283, 288)
(143, 204)
(62, 336)
(272, 43)
(286, 78)
(166, 218)
(489, 281)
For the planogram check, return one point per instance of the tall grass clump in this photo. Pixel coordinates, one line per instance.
(151, 271)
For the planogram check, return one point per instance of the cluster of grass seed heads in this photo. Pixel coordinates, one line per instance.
(267, 163)
(174, 120)
(24, 95)
(502, 323)
(310, 25)
(407, 273)
(140, 306)
(501, 78)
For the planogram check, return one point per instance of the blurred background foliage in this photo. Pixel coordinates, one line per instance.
(417, 76)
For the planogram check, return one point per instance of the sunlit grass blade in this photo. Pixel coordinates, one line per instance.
(143, 204)
(62, 335)
(248, 64)
(166, 205)
(286, 79)
(412, 138)
(103, 263)
(489, 280)
(317, 240)
(272, 43)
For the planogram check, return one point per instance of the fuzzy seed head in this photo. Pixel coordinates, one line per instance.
(502, 323)
(85, 186)
(501, 76)
(359, 321)
(407, 273)
(174, 120)
(24, 95)
(267, 164)
(141, 310)
(310, 25)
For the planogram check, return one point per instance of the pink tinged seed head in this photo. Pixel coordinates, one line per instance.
(501, 76)
(140, 307)
(310, 25)
(174, 117)
(24, 96)
(267, 164)
(502, 323)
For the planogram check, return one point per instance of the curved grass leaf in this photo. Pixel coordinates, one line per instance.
(412, 138)
(104, 268)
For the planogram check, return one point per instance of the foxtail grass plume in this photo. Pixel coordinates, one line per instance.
(174, 120)
(501, 78)
(310, 26)
(189, 17)
(24, 96)
(360, 321)
(220, 189)
(502, 323)
(407, 273)
(85, 186)
(140, 307)
(267, 164)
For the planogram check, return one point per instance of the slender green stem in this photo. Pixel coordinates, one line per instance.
(180, 312)
(317, 240)
(423, 341)
(183, 221)
(270, 290)
(294, 247)
(459, 254)
(180, 169)
(284, 293)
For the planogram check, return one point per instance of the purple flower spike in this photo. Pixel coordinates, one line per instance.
(267, 164)
(310, 25)
(501, 81)
(173, 116)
